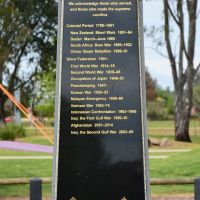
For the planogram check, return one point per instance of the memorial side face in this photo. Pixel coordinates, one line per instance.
(100, 145)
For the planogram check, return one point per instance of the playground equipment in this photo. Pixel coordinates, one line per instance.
(34, 120)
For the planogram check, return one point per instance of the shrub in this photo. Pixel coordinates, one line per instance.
(12, 131)
(45, 110)
(157, 110)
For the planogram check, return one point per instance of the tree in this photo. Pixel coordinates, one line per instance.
(182, 61)
(27, 32)
(196, 99)
(150, 86)
(180, 21)
(7, 13)
(167, 96)
(161, 108)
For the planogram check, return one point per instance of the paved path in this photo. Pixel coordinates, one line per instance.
(166, 151)
(169, 150)
(21, 146)
(159, 157)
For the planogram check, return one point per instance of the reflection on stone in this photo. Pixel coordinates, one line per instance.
(101, 134)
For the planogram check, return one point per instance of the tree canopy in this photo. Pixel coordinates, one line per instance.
(27, 41)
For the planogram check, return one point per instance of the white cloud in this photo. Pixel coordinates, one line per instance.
(161, 71)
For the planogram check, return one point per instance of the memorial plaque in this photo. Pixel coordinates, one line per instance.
(100, 146)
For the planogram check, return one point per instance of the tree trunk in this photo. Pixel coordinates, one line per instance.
(1, 74)
(183, 106)
(2, 98)
(183, 72)
(182, 128)
(2, 110)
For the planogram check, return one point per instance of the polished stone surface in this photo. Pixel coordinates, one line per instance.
(103, 166)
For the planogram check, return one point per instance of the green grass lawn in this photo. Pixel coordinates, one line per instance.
(25, 168)
(4, 152)
(172, 189)
(159, 124)
(35, 139)
(178, 165)
(22, 190)
(181, 165)
(170, 124)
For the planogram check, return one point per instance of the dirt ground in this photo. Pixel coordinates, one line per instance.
(173, 197)
(154, 197)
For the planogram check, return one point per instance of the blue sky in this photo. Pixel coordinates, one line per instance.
(158, 65)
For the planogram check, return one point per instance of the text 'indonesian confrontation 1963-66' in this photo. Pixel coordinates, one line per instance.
(101, 143)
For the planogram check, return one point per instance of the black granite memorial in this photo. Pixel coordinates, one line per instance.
(100, 147)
